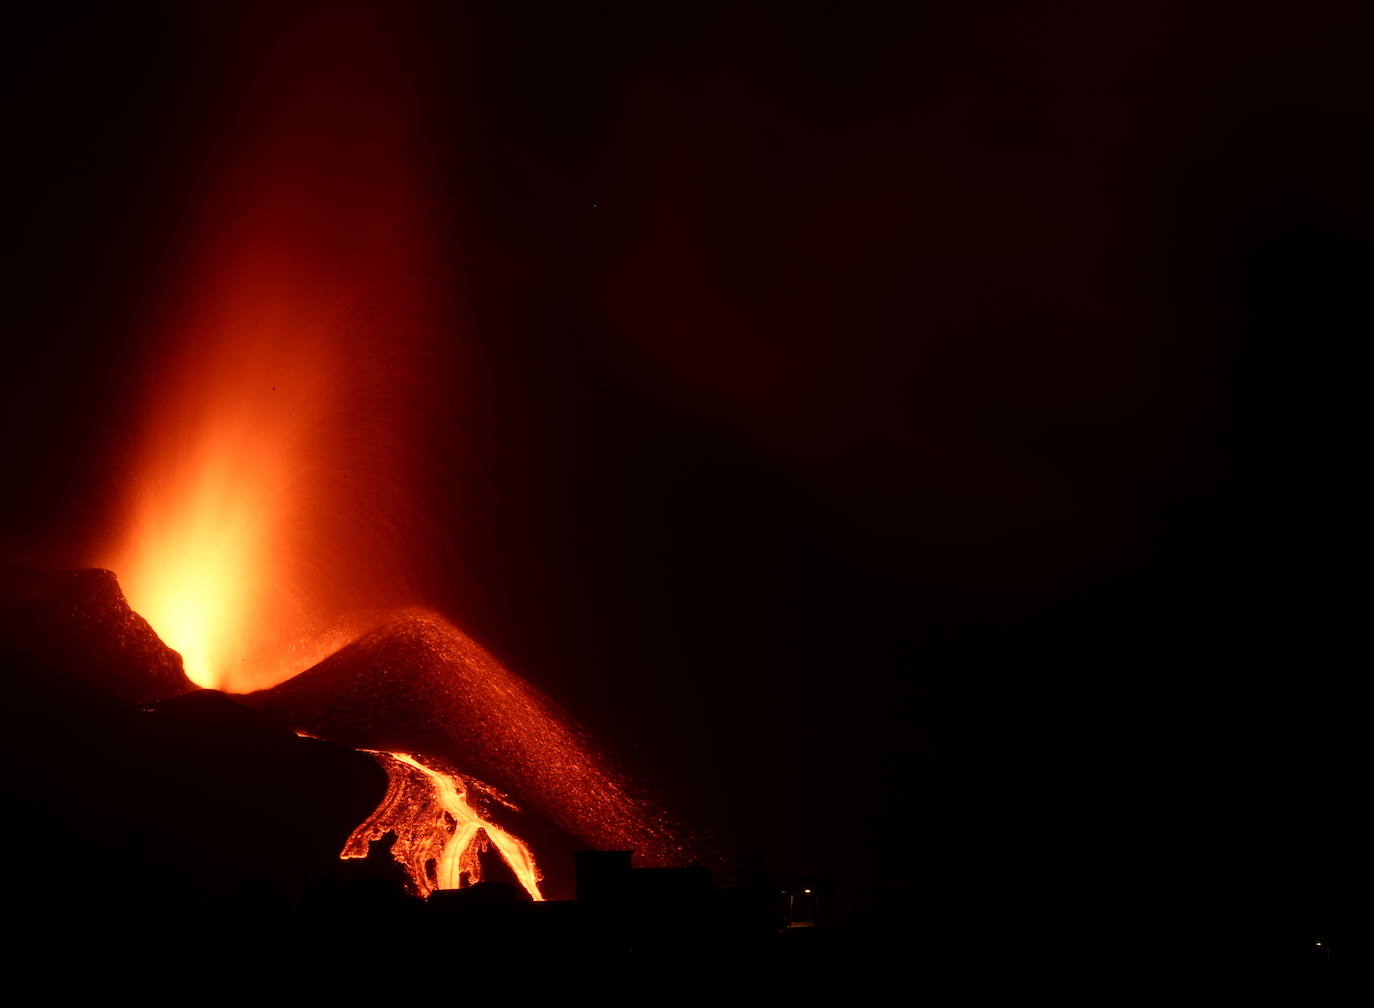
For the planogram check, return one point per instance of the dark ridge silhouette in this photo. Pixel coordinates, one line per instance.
(191, 811)
(80, 621)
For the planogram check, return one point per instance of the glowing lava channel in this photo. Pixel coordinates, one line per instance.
(439, 835)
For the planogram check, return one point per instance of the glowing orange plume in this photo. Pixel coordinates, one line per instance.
(268, 490)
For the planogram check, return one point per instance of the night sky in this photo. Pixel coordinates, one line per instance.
(927, 444)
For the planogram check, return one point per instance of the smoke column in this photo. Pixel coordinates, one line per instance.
(272, 484)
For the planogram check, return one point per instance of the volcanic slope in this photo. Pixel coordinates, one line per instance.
(79, 622)
(420, 685)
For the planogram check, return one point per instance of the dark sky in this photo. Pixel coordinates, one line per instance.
(929, 443)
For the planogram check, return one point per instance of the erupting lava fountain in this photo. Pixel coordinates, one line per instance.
(270, 493)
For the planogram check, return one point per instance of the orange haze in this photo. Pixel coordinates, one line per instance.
(267, 492)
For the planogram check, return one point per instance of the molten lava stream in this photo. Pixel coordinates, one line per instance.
(439, 835)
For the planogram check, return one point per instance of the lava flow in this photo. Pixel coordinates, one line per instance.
(439, 835)
(419, 684)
